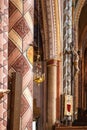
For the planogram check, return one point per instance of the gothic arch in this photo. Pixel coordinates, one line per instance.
(78, 9)
(77, 13)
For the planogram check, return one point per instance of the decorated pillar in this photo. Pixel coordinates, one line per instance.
(67, 60)
(3, 61)
(20, 54)
(67, 42)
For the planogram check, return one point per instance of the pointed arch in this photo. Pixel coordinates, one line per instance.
(78, 9)
(77, 13)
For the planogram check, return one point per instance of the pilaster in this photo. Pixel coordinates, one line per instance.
(21, 54)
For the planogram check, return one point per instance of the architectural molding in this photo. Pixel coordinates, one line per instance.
(51, 24)
(83, 43)
(45, 28)
(50, 28)
(77, 12)
(52, 62)
(57, 26)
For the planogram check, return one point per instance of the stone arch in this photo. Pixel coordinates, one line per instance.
(83, 40)
(77, 12)
(78, 9)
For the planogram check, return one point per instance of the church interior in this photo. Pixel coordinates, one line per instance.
(43, 65)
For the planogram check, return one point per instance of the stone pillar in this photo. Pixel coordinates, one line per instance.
(67, 42)
(52, 89)
(67, 49)
(3, 61)
(21, 22)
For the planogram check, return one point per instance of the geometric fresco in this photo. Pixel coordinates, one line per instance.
(20, 39)
(21, 65)
(21, 28)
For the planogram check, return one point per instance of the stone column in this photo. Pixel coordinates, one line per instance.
(67, 42)
(52, 89)
(67, 49)
(3, 61)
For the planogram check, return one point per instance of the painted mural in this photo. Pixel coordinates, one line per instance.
(20, 54)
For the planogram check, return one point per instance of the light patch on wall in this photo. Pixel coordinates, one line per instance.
(16, 39)
(30, 54)
(28, 97)
(28, 18)
(18, 4)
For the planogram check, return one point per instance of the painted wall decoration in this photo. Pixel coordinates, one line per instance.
(3, 60)
(21, 54)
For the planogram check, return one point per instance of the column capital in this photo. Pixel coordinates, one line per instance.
(52, 62)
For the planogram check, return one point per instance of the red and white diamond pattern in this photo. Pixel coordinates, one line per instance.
(20, 40)
(20, 36)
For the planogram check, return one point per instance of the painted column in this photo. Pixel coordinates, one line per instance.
(3, 61)
(52, 95)
(20, 54)
(67, 42)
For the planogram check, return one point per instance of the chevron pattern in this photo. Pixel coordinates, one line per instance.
(21, 55)
(21, 28)
(3, 60)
